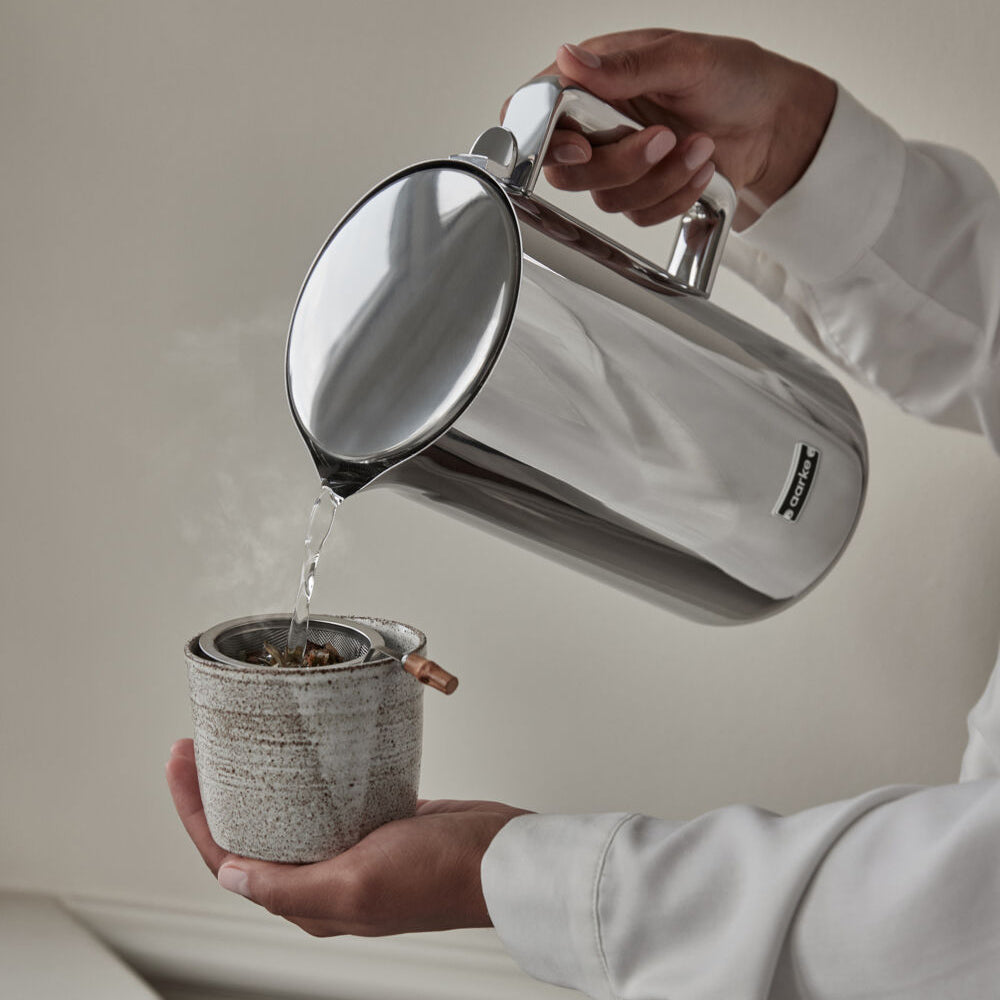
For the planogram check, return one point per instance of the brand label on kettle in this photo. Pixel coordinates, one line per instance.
(801, 477)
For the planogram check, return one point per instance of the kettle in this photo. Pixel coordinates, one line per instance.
(463, 341)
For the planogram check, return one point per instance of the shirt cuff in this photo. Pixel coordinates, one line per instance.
(841, 204)
(540, 878)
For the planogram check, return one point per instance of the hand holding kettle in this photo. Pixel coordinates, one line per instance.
(551, 383)
(709, 102)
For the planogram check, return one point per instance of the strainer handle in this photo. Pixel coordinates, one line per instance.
(430, 673)
(515, 152)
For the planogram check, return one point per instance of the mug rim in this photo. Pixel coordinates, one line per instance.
(196, 656)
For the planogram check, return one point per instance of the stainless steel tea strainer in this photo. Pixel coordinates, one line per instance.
(357, 644)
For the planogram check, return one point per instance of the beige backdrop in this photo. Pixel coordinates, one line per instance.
(169, 171)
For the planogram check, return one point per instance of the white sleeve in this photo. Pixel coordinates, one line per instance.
(895, 894)
(887, 256)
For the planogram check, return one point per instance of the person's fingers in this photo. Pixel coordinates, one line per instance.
(670, 176)
(427, 807)
(617, 41)
(604, 43)
(317, 928)
(413, 874)
(567, 147)
(673, 61)
(182, 780)
(618, 164)
(676, 203)
(321, 891)
(183, 748)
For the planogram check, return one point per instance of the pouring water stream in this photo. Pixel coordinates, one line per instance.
(324, 510)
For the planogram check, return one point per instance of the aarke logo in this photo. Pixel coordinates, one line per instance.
(801, 477)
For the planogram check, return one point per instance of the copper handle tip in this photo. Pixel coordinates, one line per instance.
(430, 673)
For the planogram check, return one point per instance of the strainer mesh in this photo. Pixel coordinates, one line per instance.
(235, 643)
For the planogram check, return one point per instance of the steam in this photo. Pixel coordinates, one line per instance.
(249, 481)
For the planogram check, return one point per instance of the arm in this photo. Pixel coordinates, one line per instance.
(893, 894)
(887, 255)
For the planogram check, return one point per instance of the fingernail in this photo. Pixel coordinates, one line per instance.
(591, 59)
(659, 146)
(235, 880)
(568, 153)
(703, 176)
(701, 149)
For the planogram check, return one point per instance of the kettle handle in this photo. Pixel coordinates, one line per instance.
(515, 153)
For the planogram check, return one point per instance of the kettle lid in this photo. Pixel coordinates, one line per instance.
(402, 315)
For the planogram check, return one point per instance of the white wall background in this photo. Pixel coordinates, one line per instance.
(168, 171)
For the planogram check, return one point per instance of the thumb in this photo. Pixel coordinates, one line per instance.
(667, 64)
(286, 890)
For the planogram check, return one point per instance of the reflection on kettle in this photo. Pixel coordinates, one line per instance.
(462, 340)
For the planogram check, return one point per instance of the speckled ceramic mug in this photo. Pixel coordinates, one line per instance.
(297, 764)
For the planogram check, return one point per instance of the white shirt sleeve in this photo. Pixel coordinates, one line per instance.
(886, 255)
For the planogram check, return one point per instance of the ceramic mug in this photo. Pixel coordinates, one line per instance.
(297, 764)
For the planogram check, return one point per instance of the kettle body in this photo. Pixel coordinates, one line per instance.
(463, 341)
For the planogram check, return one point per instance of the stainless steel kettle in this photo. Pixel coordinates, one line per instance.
(462, 340)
